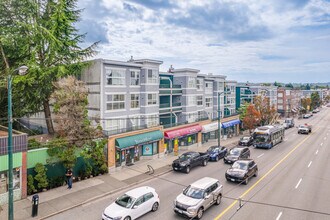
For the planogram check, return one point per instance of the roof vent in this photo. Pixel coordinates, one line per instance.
(131, 60)
(171, 69)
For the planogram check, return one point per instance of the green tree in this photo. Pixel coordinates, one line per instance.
(242, 110)
(315, 100)
(73, 128)
(48, 44)
(267, 112)
(289, 85)
(30, 185)
(41, 176)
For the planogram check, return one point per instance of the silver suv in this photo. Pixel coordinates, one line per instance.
(198, 197)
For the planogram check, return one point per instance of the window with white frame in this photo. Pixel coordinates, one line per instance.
(135, 121)
(135, 100)
(191, 82)
(280, 94)
(221, 86)
(199, 84)
(199, 100)
(115, 76)
(191, 100)
(152, 121)
(209, 87)
(152, 77)
(115, 124)
(152, 99)
(135, 77)
(191, 117)
(208, 102)
(115, 102)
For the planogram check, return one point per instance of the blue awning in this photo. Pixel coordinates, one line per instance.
(230, 123)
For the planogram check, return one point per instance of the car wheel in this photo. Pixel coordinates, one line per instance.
(200, 213)
(256, 173)
(127, 218)
(217, 158)
(155, 207)
(246, 181)
(218, 200)
(187, 169)
(204, 163)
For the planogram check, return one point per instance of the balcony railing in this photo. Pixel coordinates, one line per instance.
(167, 105)
(123, 130)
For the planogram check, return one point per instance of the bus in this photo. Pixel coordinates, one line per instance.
(268, 136)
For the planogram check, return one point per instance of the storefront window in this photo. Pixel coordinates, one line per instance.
(4, 180)
(155, 148)
(188, 140)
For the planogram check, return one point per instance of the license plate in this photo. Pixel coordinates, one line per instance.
(179, 211)
(175, 168)
(232, 180)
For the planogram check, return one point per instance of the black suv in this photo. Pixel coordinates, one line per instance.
(242, 171)
(237, 153)
(246, 141)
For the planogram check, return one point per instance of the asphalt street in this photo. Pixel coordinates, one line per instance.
(293, 182)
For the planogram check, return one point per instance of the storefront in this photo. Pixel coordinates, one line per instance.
(231, 128)
(210, 132)
(187, 136)
(133, 148)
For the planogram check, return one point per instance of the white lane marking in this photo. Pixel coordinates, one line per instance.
(260, 155)
(321, 144)
(298, 183)
(316, 151)
(279, 216)
(325, 138)
(310, 163)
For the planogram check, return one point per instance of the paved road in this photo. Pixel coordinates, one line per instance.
(293, 182)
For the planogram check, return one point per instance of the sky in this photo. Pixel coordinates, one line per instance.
(245, 40)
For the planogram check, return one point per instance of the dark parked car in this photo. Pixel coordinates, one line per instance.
(217, 152)
(242, 171)
(246, 141)
(237, 153)
(189, 160)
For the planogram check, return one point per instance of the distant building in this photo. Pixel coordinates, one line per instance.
(288, 101)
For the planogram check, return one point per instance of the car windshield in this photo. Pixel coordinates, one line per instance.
(302, 126)
(185, 156)
(193, 192)
(212, 149)
(245, 138)
(240, 165)
(261, 138)
(234, 152)
(125, 201)
(287, 121)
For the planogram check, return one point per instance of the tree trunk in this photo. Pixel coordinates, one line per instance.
(48, 117)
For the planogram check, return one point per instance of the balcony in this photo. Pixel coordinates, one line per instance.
(165, 89)
(166, 108)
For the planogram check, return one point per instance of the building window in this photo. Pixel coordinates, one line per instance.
(152, 77)
(115, 76)
(152, 121)
(199, 84)
(279, 94)
(115, 124)
(191, 82)
(208, 102)
(191, 100)
(199, 100)
(152, 99)
(135, 78)
(135, 122)
(115, 102)
(209, 87)
(4, 180)
(135, 100)
(221, 86)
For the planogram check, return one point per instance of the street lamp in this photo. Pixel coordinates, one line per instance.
(21, 71)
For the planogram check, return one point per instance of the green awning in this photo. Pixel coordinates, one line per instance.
(138, 139)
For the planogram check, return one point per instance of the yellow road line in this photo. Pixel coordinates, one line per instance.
(263, 177)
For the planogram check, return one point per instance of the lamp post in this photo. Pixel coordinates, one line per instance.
(21, 71)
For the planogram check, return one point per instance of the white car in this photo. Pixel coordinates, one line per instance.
(132, 204)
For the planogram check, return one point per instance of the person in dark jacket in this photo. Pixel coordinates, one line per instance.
(69, 178)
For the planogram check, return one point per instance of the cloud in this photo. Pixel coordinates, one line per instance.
(95, 31)
(272, 57)
(153, 4)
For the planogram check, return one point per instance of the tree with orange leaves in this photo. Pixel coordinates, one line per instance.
(252, 118)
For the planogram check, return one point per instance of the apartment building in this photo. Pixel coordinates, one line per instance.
(147, 113)
(288, 101)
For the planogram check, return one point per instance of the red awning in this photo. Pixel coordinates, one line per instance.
(182, 131)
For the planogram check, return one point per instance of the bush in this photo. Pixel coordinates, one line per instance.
(41, 176)
(34, 144)
(30, 185)
(56, 181)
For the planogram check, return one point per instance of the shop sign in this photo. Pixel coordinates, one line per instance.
(142, 140)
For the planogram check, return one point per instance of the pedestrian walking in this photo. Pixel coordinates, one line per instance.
(69, 178)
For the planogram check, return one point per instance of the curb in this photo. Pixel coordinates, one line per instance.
(105, 194)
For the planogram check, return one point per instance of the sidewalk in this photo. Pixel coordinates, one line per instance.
(61, 199)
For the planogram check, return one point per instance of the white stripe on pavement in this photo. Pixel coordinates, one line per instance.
(279, 216)
(260, 155)
(310, 163)
(321, 144)
(325, 138)
(298, 183)
(316, 151)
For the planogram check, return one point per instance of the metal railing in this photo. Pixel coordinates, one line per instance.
(123, 130)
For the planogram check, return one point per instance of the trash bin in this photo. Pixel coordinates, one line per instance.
(35, 203)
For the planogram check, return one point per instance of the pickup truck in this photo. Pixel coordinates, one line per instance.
(304, 129)
(189, 160)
